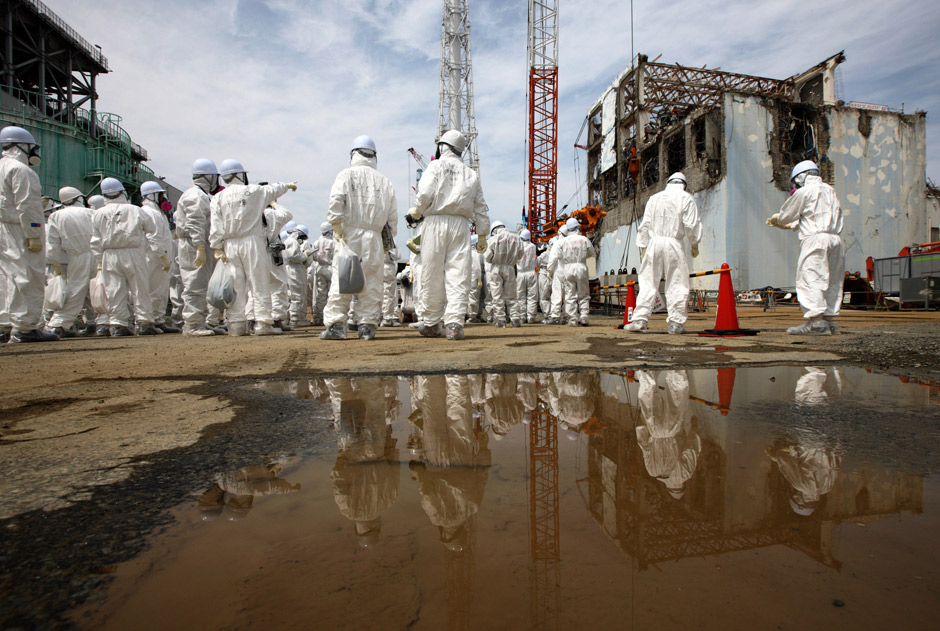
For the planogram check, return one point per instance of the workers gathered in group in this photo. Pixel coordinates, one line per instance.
(230, 260)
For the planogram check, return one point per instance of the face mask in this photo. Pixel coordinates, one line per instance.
(34, 158)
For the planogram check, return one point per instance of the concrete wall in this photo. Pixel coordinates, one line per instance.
(879, 178)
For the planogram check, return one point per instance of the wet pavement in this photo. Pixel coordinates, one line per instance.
(766, 497)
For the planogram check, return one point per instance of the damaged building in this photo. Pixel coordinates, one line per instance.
(736, 138)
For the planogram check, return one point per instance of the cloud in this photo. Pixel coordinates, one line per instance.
(285, 85)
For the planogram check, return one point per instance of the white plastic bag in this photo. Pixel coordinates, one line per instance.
(55, 294)
(97, 294)
(221, 292)
(351, 279)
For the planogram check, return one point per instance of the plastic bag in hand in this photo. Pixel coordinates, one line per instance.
(351, 279)
(55, 294)
(97, 294)
(221, 292)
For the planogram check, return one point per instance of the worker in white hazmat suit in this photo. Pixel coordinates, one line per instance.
(122, 234)
(476, 281)
(576, 397)
(501, 405)
(323, 260)
(503, 252)
(814, 211)
(176, 281)
(574, 252)
(22, 253)
(811, 471)
(362, 202)
(556, 312)
(449, 197)
(670, 216)
(298, 256)
(390, 289)
(670, 448)
(365, 477)
(527, 290)
(96, 201)
(238, 238)
(545, 281)
(816, 385)
(156, 204)
(276, 218)
(192, 231)
(68, 251)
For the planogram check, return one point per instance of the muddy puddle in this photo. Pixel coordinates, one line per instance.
(779, 497)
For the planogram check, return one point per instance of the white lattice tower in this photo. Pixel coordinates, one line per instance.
(456, 102)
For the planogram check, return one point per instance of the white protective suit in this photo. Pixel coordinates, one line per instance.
(576, 396)
(545, 284)
(527, 290)
(502, 406)
(476, 285)
(816, 385)
(159, 280)
(450, 197)
(323, 260)
(814, 210)
(236, 226)
(390, 287)
(298, 256)
(503, 252)
(122, 234)
(176, 286)
(363, 201)
(558, 282)
(68, 243)
(573, 253)
(811, 471)
(670, 216)
(276, 219)
(22, 273)
(192, 230)
(670, 449)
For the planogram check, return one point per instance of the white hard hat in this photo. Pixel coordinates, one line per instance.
(283, 235)
(204, 166)
(454, 139)
(495, 225)
(326, 227)
(290, 225)
(303, 229)
(230, 166)
(96, 201)
(68, 194)
(677, 177)
(363, 142)
(572, 225)
(111, 186)
(16, 135)
(148, 188)
(803, 167)
(803, 511)
(525, 235)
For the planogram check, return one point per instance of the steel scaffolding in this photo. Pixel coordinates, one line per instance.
(543, 116)
(455, 108)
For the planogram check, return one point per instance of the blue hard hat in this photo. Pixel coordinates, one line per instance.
(110, 186)
(205, 166)
(230, 166)
(147, 188)
(15, 135)
(363, 142)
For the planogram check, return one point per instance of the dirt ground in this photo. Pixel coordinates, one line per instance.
(114, 431)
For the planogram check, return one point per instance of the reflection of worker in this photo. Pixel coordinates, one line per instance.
(811, 472)
(502, 405)
(576, 394)
(526, 391)
(233, 493)
(452, 477)
(815, 385)
(365, 477)
(670, 449)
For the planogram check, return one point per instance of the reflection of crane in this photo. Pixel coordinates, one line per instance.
(543, 115)
(545, 550)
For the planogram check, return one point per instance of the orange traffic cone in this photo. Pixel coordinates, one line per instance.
(726, 314)
(725, 388)
(630, 305)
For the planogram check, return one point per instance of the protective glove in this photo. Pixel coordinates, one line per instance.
(414, 244)
(481, 243)
(292, 186)
(479, 284)
(220, 255)
(34, 245)
(774, 221)
(99, 267)
(57, 269)
(413, 217)
(166, 262)
(642, 254)
(694, 250)
(338, 231)
(200, 255)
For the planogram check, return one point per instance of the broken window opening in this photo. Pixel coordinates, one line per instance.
(675, 153)
(650, 165)
(595, 127)
(698, 137)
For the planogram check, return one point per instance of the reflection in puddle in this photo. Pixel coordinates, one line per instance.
(543, 499)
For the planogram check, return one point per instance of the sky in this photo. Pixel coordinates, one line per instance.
(284, 86)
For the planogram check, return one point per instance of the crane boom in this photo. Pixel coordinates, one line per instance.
(543, 116)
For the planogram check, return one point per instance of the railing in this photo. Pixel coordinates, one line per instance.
(92, 51)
